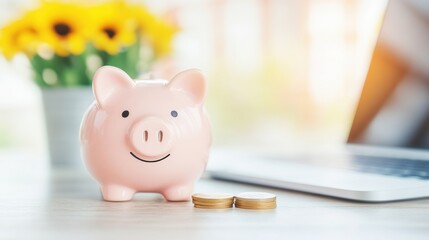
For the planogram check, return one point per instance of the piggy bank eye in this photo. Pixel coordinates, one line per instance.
(125, 114)
(173, 113)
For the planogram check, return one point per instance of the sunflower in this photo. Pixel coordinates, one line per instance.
(61, 26)
(162, 36)
(19, 36)
(111, 27)
(158, 31)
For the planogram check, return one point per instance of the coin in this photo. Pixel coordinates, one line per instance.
(256, 206)
(213, 203)
(255, 196)
(212, 196)
(213, 200)
(214, 207)
(255, 200)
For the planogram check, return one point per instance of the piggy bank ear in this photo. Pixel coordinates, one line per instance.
(107, 80)
(192, 82)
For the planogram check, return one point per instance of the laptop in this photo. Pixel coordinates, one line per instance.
(386, 157)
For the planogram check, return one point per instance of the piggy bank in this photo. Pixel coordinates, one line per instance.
(146, 135)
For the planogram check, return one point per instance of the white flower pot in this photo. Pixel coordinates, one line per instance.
(64, 109)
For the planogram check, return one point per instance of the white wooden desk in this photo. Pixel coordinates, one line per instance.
(40, 204)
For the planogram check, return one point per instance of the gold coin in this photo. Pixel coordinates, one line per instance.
(256, 207)
(255, 196)
(255, 204)
(255, 200)
(212, 196)
(212, 203)
(213, 200)
(252, 203)
(214, 206)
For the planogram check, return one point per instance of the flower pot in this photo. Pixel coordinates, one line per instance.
(64, 109)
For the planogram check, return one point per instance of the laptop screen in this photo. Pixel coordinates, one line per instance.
(393, 109)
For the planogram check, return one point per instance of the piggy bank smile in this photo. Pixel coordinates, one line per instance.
(151, 139)
(149, 161)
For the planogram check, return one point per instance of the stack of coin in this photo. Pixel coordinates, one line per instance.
(255, 200)
(213, 200)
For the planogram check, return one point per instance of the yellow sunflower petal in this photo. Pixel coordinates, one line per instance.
(62, 26)
(76, 44)
(111, 26)
(19, 36)
(159, 32)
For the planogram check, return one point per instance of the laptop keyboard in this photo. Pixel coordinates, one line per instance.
(391, 166)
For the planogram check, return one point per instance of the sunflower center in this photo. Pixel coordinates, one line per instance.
(109, 32)
(62, 29)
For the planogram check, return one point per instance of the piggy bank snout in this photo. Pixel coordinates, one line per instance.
(151, 137)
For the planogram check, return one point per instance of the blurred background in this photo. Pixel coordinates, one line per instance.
(281, 72)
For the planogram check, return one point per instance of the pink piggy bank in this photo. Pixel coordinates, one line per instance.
(146, 135)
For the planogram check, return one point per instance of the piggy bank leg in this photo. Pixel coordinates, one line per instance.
(178, 193)
(117, 193)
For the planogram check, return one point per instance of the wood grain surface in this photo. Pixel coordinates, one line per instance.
(41, 203)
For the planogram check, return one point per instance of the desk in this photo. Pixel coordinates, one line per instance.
(65, 204)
